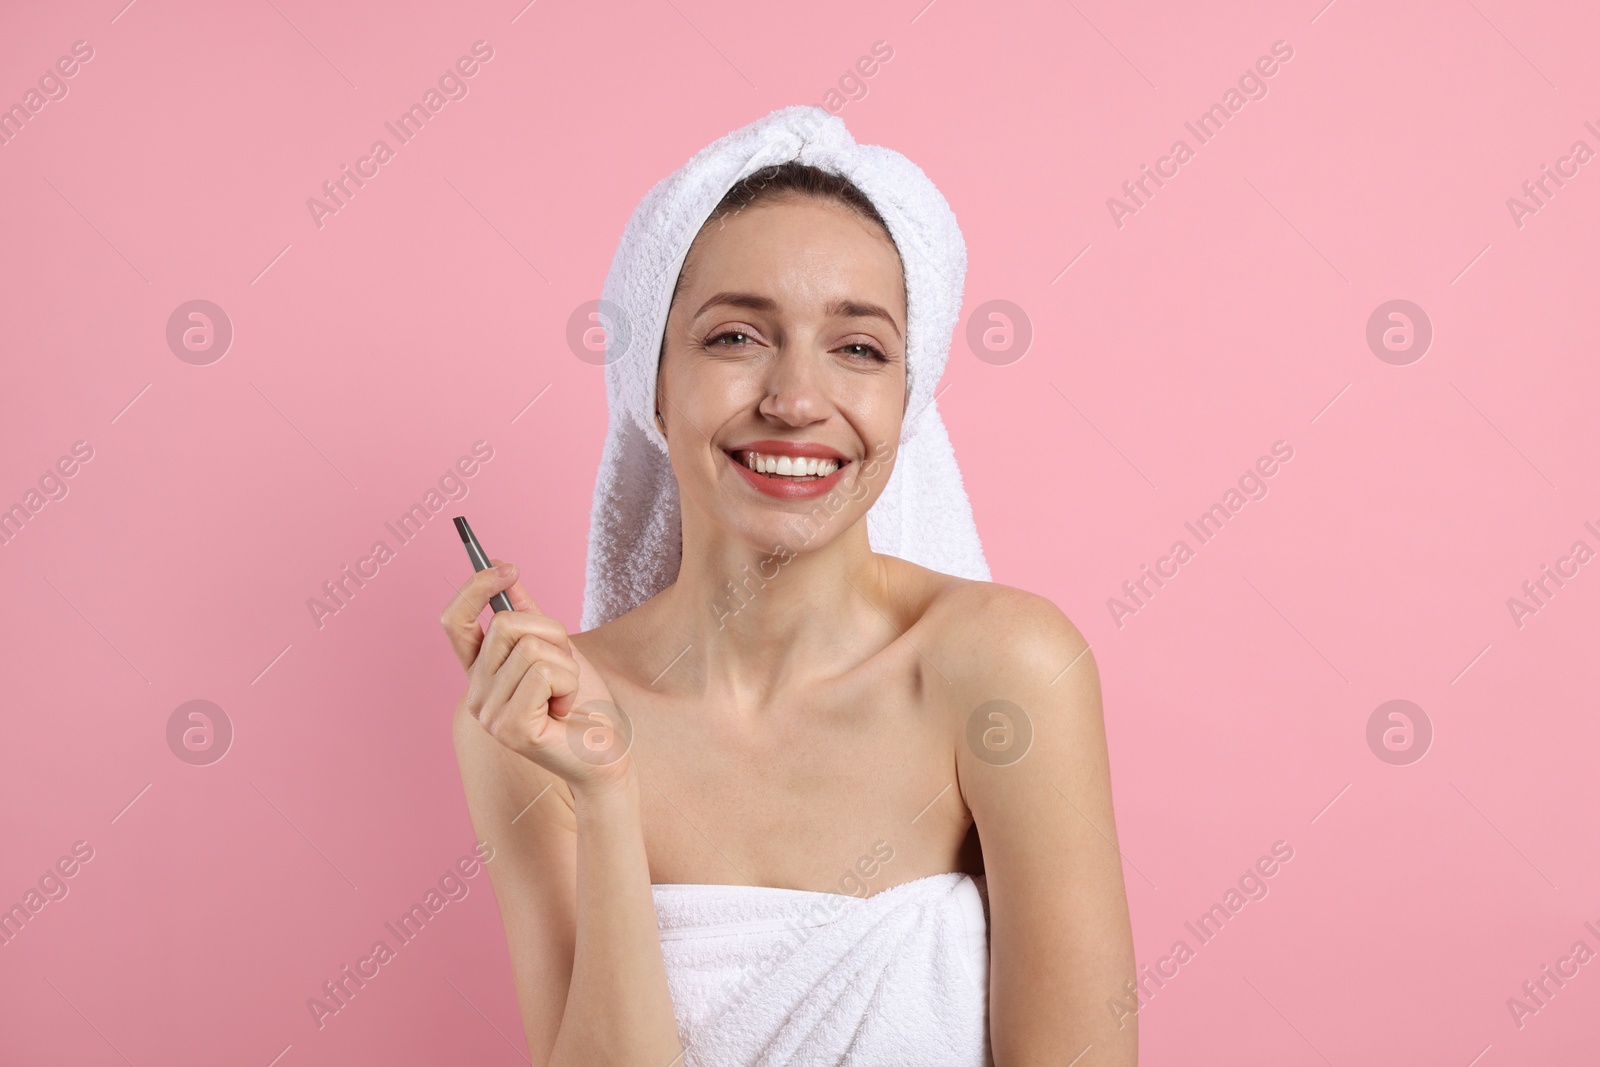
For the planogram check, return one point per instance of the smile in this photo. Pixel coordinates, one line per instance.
(785, 475)
(788, 466)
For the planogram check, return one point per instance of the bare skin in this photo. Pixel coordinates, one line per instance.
(821, 716)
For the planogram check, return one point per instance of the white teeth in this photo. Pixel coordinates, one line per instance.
(793, 466)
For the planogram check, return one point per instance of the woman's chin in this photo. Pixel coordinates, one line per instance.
(783, 532)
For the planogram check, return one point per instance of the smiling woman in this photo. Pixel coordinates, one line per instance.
(711, 772)
(793, 231)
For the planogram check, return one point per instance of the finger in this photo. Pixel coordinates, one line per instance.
(512, 678)
(563, 692)
(532, 648)
(532, 691)
(519, 690)
(508, 721)
(506, 628)
(563, 688)
(460, 617)
(531, 652)
(520, 600)
(484, 679)
(553, 682)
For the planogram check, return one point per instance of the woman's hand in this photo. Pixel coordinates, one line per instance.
(530, 687)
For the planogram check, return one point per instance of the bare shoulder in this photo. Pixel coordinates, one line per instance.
(1021, 698)
(1000, 637)
(618, 646)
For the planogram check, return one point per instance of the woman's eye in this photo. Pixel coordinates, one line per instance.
(743, 338)
(862, 349)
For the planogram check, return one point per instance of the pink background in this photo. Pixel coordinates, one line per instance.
(1228, 313)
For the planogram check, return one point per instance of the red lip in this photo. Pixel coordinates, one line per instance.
(784, 488)
(792, 448)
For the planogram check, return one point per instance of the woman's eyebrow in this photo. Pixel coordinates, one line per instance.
(756, 302)
(753, 301)
(856, 310)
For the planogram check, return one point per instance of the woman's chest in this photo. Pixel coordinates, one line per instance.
(844, 791)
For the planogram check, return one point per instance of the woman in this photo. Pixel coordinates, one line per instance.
(757, 812)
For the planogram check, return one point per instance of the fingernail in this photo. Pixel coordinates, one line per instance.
(506, 570)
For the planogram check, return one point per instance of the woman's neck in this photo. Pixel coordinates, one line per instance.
(750, 623)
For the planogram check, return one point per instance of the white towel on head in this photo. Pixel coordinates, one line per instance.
(761, 976)
(923, 515)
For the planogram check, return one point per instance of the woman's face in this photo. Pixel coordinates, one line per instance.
(783, 379)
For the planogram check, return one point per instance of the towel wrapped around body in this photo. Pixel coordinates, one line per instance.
(762, 976)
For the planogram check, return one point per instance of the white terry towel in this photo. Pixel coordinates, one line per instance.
(923, 515)
(761, 976)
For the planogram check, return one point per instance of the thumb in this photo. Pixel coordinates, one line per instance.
(590, 686)
(561, 706)
(518, 594)
(562, 703)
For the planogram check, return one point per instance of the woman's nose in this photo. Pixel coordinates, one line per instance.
(795, 389)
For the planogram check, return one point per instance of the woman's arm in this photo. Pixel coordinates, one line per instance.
(570, 873)
(618, 974)
(1060, 940)
(534, 873)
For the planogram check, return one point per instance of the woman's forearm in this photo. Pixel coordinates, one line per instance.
(618, 1010)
